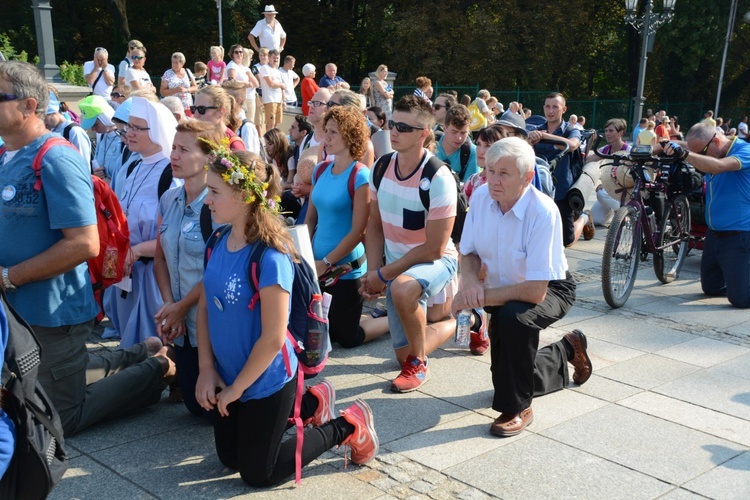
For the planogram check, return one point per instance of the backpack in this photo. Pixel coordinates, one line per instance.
(75, 117)
(164, 181)
(428, 172)
(322, 166)
(544, 181)
(66, 135)
(478, 120)
(39, 459)
(307, 329)
(114, 236)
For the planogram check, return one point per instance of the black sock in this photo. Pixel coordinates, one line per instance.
(345, 428)
(568, 349)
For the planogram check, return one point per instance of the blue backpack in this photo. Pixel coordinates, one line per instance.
(307, 328)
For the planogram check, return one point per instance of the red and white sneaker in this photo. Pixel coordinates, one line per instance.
(326, 395)
(479, 342)
(364, 440)
(414, 373)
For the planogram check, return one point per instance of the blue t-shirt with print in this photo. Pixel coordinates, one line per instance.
(728, 193)
(32, 221)
(330, 195)
(234, 328)
(454, 160)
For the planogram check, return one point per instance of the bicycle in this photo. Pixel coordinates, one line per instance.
(655, 214)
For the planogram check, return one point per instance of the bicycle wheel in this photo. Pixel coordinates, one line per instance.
(674, 227)
(620, 257)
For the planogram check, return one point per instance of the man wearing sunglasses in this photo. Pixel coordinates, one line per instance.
(99, 74)
(725, 263)
(46, 278)
(126, 63)
(136, 76)
(420, 257)
(440, 108)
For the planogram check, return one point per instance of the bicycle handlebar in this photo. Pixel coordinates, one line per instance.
(640, 155)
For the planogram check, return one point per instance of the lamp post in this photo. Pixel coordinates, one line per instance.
(646, 25)
(221, 33)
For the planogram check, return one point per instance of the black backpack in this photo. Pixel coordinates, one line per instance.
(428, 172)
(39, 460)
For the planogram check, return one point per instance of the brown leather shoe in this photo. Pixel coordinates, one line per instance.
(508, 424)
(589, 230)
(581, 361)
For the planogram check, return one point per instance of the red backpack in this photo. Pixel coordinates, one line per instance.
(114, 236)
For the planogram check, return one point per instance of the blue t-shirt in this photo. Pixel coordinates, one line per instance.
(32, 221)
(7, 427)
(454, 160)
(233, 327)
(563, 173)
(327, 82)
(728, 193)
(330, 195)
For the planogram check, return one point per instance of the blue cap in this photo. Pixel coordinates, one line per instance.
(54, 104)
(122, 112)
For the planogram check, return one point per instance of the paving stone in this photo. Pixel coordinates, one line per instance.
(729, 480)
(441, 494)
(433, 477)
(471, 494)
(411, 467)
(647, 371)
(384, 483)
(703, 352)
(391, 458)
(402, 477)
(369, 475)
(711, 388)
(422, 486)
(400, 491)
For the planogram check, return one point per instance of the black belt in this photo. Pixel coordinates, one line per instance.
(725, 234)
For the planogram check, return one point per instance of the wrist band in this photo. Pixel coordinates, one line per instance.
(380, 275)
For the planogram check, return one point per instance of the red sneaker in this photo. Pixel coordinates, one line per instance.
(326, 395)
(414, 373)
(479, 342)
(364, 440)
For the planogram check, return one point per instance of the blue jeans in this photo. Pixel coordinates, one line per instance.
(725, 266)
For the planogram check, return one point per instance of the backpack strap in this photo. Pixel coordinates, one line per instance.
(234, 140)
(253, 275)
(378, 170)
(132, 166)
(98, 77)
(165, 181)
(205, 223)
(215, 237)
(320, 168)
(352, 185)
(465, 155)
(66, 130)
(428, 172)
(36, 165)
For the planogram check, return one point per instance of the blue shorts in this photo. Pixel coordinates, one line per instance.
(433, 277)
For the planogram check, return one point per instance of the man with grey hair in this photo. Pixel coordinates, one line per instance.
(99, 74)
(331, 80)
(46, 278)
(516, 232)
(725, 262)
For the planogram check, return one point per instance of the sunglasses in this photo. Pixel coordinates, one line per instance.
(402, 127)
(8, 97)
(316, 104)
(134, 128)
(438, 107)
(331, 104)
(705, 150)
(201, 110)
(137, 58)
(116, 95)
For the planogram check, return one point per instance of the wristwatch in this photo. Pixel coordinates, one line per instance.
(7, 284)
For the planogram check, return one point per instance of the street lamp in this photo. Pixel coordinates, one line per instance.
(646, 25)
(221, 34)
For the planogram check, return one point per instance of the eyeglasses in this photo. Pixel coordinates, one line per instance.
(134, 128)
(116, 95)
(137, 58)
(316, 104)
(201, 110)
(121, 133)
(438, 107)
(705, 150)
(403, 128)
(9, 97)
(331, 104)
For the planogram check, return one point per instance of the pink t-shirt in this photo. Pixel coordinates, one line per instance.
(215, 70)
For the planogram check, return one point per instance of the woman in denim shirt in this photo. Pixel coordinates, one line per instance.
(178, 261)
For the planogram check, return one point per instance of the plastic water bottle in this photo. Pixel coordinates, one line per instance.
(463, 327)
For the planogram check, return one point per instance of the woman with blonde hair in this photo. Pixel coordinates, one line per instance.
(213, 104)
(382, 91)
(248, 367)
(238, 70)
(247, 131)
(216, 67)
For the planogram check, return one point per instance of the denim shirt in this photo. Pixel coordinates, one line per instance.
(182, 243)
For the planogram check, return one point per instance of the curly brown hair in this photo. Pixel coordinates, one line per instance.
(352, 127)
(261, 224)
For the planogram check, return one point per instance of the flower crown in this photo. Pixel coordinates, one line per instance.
(242, 176)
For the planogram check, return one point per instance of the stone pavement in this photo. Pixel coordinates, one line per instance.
(666, 414)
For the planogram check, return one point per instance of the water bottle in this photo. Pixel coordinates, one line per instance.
(463, 327)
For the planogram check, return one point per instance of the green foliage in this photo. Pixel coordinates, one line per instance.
(72, 73)
(6, 47)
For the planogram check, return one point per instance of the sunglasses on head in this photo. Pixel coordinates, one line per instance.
(8, 97)
(137, 58)
(116, 95)
(402, 127)
(201, 110)
(331, 104)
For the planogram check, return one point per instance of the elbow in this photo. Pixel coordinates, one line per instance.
(91, 249)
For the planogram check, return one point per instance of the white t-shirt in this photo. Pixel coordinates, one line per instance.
(123, 67)
(270, 94)
(139, 75)
(288, 76)
(102, 89)
(240, 74)
(270, 38)
(742, 130)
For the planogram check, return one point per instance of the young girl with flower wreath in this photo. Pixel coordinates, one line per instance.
(243, 377)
